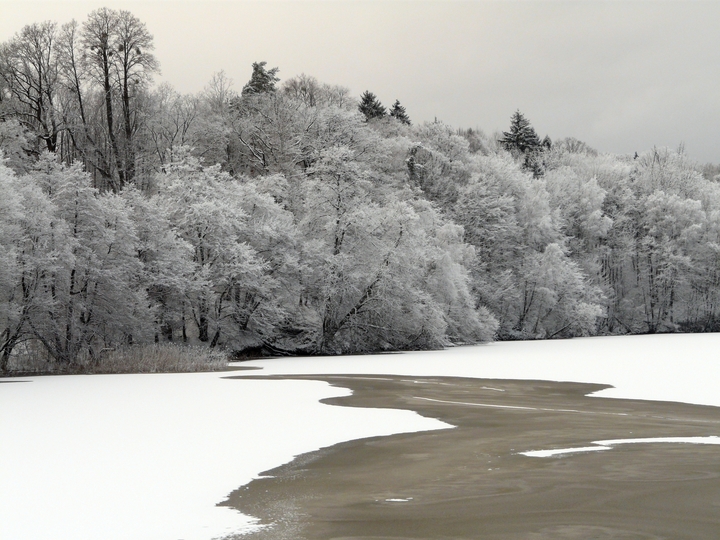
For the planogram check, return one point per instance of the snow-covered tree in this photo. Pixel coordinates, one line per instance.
(118, 58)
(92, 297)
(314, 93)
(13, 321)
(580, 203)
(230, 288)
(670, 226)
(29, 67)
(167, 269)
(172, 120)
(382, 273)
(557, 300)
(15, 146)
(439, 163)
(262, 80)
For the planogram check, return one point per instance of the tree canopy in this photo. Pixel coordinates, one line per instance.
(298, 217)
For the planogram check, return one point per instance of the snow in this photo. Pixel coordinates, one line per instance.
(609, 444)
(712, 439)
(150, 456)
(560, 451)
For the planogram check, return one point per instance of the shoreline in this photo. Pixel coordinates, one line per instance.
(473, 481)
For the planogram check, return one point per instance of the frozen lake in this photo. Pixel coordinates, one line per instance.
(661, 367)
(149, 456)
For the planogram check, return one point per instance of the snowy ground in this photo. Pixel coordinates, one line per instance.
(149, 456)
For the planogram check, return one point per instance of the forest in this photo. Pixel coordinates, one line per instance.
(291, 217)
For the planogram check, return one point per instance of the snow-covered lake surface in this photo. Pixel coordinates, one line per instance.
(149, 456)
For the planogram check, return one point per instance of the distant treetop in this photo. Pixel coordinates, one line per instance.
(262, 80)
(522, 137)
(523, 142)
(370, 106)
(398, 112)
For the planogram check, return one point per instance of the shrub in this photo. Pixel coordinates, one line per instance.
(155, 358)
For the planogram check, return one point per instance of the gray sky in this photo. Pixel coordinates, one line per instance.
(621, 76)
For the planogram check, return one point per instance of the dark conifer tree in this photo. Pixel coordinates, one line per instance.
(522, 142)
(370, 106)
(398, 111)
(262, 80)
(522, 137)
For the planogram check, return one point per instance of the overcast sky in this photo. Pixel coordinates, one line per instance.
(621, 76)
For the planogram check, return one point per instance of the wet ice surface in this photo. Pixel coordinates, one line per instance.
(149, 456)
(609, 444)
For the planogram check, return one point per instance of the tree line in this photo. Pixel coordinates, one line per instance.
(295, 218)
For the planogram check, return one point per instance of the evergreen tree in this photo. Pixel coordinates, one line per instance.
(262, 80)
(370, 106)
(523, 143)
(522, 137)
(398, 111)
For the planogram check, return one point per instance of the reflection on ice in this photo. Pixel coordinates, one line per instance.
(607, 445)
